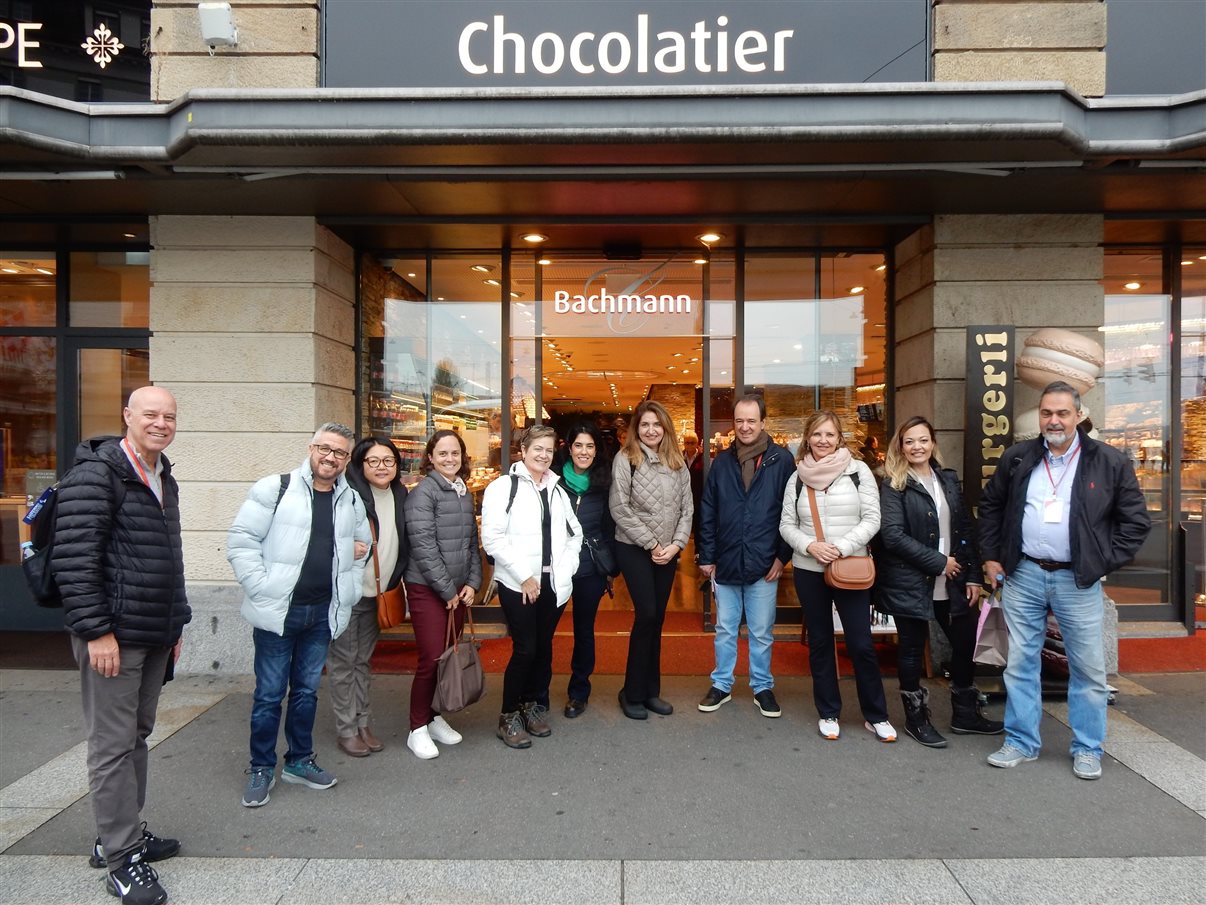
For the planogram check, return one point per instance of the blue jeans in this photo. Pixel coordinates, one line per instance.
(1028, 593)
(294, 661)
(757, 600)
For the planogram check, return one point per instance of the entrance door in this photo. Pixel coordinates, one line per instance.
(611, 334)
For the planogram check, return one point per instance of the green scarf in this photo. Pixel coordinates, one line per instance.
(578, 483)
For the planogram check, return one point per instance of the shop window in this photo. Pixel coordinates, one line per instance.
(27, 431)
(1192, 397)
(27, 289)
(109, 289)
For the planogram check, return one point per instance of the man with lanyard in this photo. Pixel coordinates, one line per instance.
(741, 551)
(118, 565)
(298, 548)
(1060, 512)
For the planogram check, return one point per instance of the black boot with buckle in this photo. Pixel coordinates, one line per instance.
(917, 718)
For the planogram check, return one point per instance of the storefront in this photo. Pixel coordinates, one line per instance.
(804, 199)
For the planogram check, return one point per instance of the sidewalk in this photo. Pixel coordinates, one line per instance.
(694, 808)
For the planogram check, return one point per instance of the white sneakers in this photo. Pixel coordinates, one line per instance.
(883, 731)
(419, 741)
(441, 732)
(829, 729)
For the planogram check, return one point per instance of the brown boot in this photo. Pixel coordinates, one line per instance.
(353, 746)
(511, 731)
(374, 744)
(535, 719)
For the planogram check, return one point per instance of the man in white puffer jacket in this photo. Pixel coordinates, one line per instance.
(298, 548)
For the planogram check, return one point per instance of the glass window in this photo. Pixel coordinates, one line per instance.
(27, 289)
(1192, 394)
(107, 378)
(27, 431)
(1135, 412)
(110, 289)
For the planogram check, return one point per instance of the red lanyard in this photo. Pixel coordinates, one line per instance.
(1068, 467)
(125, 444)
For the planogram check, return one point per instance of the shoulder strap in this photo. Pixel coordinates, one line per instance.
(514, 490)
(816, 516)
(799, 487)
(285, 478)
(854, 477)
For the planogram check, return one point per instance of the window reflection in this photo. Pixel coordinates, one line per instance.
(27, 430)
(110, 289)
(27, 289)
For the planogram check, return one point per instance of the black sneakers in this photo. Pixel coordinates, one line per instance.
(153, 849)
(713, 699)
(767, 705)
(136, 883)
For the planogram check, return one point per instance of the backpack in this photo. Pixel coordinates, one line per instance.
(38, 551)
(511, 501)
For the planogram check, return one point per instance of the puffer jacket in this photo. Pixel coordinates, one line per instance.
(120, 569)
(267, 545)
(739, 528)
(652, 503)
(849, 516)
(362, 487)
(907, 560)
(442, 529)
(597, 525)
(515, 538)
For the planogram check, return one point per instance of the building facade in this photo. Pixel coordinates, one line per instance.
(481, 215)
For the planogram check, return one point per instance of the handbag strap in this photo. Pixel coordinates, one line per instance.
(816, 516)
(376, 565)
(451, 638)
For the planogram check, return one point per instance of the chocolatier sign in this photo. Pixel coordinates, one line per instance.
(542, 43)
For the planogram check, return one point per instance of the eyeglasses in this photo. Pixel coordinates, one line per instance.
(385, 462)
(324, 451)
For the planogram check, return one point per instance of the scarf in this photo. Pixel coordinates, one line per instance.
(458, 485)
(578, 483)
(819, 475)
(749, 456)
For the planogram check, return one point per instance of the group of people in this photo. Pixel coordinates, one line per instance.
(312, 549)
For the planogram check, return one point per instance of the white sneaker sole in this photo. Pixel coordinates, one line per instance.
(711, 708)
(885, 740)
(309, 784)
(259, 804)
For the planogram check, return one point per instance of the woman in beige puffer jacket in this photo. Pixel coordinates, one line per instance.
(651, 503)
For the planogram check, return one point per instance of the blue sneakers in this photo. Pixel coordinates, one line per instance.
(308, 773)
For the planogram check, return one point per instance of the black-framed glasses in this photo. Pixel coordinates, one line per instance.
(324, 451)
(381, 462)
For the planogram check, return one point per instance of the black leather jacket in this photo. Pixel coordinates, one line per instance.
(1109, 519)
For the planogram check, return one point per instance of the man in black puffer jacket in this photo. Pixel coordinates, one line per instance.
(117, 562)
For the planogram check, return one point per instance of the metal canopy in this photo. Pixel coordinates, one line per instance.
(769, 165)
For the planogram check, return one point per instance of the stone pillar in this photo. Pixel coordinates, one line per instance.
(253, 329)
(277, 48)
(1032, 40)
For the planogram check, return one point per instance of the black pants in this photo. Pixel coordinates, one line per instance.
(650, 586)
(854, 610)
(913, 633)
(588, 591)
(530, 668)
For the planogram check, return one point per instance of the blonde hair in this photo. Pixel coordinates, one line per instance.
(667, 450)
(896, 466)
(535, 432)
(815, 420)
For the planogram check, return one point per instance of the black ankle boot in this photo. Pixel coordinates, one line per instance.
(966, 716)
(917, 718)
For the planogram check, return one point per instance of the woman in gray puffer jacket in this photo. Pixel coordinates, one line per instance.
(652, 506)
(444, 572)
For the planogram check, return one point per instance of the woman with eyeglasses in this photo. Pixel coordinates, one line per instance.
(373, 473)
(444, 573)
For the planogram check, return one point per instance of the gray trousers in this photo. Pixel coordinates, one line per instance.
(119, 714)
(348, 668)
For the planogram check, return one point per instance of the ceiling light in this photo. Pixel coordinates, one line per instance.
(543, 262)
(685, 371)
(798, 346)
(881, 268)
(695, 359)
(776, 361)
(1131, 285)
(411, 275)
(534, 238)
(857, 290)
(671, 368)
(45, 271)
(463, 316)
(492, 282)
(708, 238)
(1202, 257)
(440, 298)
(678, 354)
(1185, 263)
(701, 260)
(130, 235)
(482, 268)
(516, 295)
(723, 373)
(10, 269)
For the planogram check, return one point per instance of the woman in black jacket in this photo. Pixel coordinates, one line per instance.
(929, 568)
(585, 471)
(373, 473)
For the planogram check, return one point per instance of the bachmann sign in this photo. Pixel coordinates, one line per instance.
(989, 429)
(540, 43)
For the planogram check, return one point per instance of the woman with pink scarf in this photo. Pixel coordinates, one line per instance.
(847, 502)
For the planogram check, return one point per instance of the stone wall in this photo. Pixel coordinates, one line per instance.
(253, 323)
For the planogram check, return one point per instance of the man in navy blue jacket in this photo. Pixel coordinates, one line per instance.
(740, 550)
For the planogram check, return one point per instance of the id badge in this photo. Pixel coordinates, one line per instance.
(1053, 511)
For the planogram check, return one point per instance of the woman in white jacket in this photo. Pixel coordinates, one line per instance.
(530, 530)
(848, 504)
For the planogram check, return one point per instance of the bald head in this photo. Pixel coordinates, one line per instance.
(150, 417)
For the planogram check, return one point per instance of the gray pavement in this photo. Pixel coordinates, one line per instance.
(700, 808)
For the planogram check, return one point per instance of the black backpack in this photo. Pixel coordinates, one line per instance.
(35, 562)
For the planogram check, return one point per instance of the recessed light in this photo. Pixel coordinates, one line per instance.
(411, 275)
(695, 359)
(130, 235)
(857, 290)
(492, 282)
(723, 373)
(1131, 285)
(1185, 263)
(776, 361)
(543, 262)
(1202, 257)
(516, 295)
(45, 271)
(708, 238)
(678, 354)
(701, 260)
(798, 346)
(482, 268)
(534, 238)
(463, 316)
(685, 371)
(9, 270)
(671, 368)
(881, 268)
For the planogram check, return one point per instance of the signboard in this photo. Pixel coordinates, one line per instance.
(575, 43)
(988, 430)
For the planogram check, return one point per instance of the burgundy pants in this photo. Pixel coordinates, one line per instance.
(429, 617)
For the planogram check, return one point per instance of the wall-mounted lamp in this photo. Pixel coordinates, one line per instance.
(217, 25)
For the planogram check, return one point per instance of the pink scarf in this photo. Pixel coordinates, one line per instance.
(819, 475)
